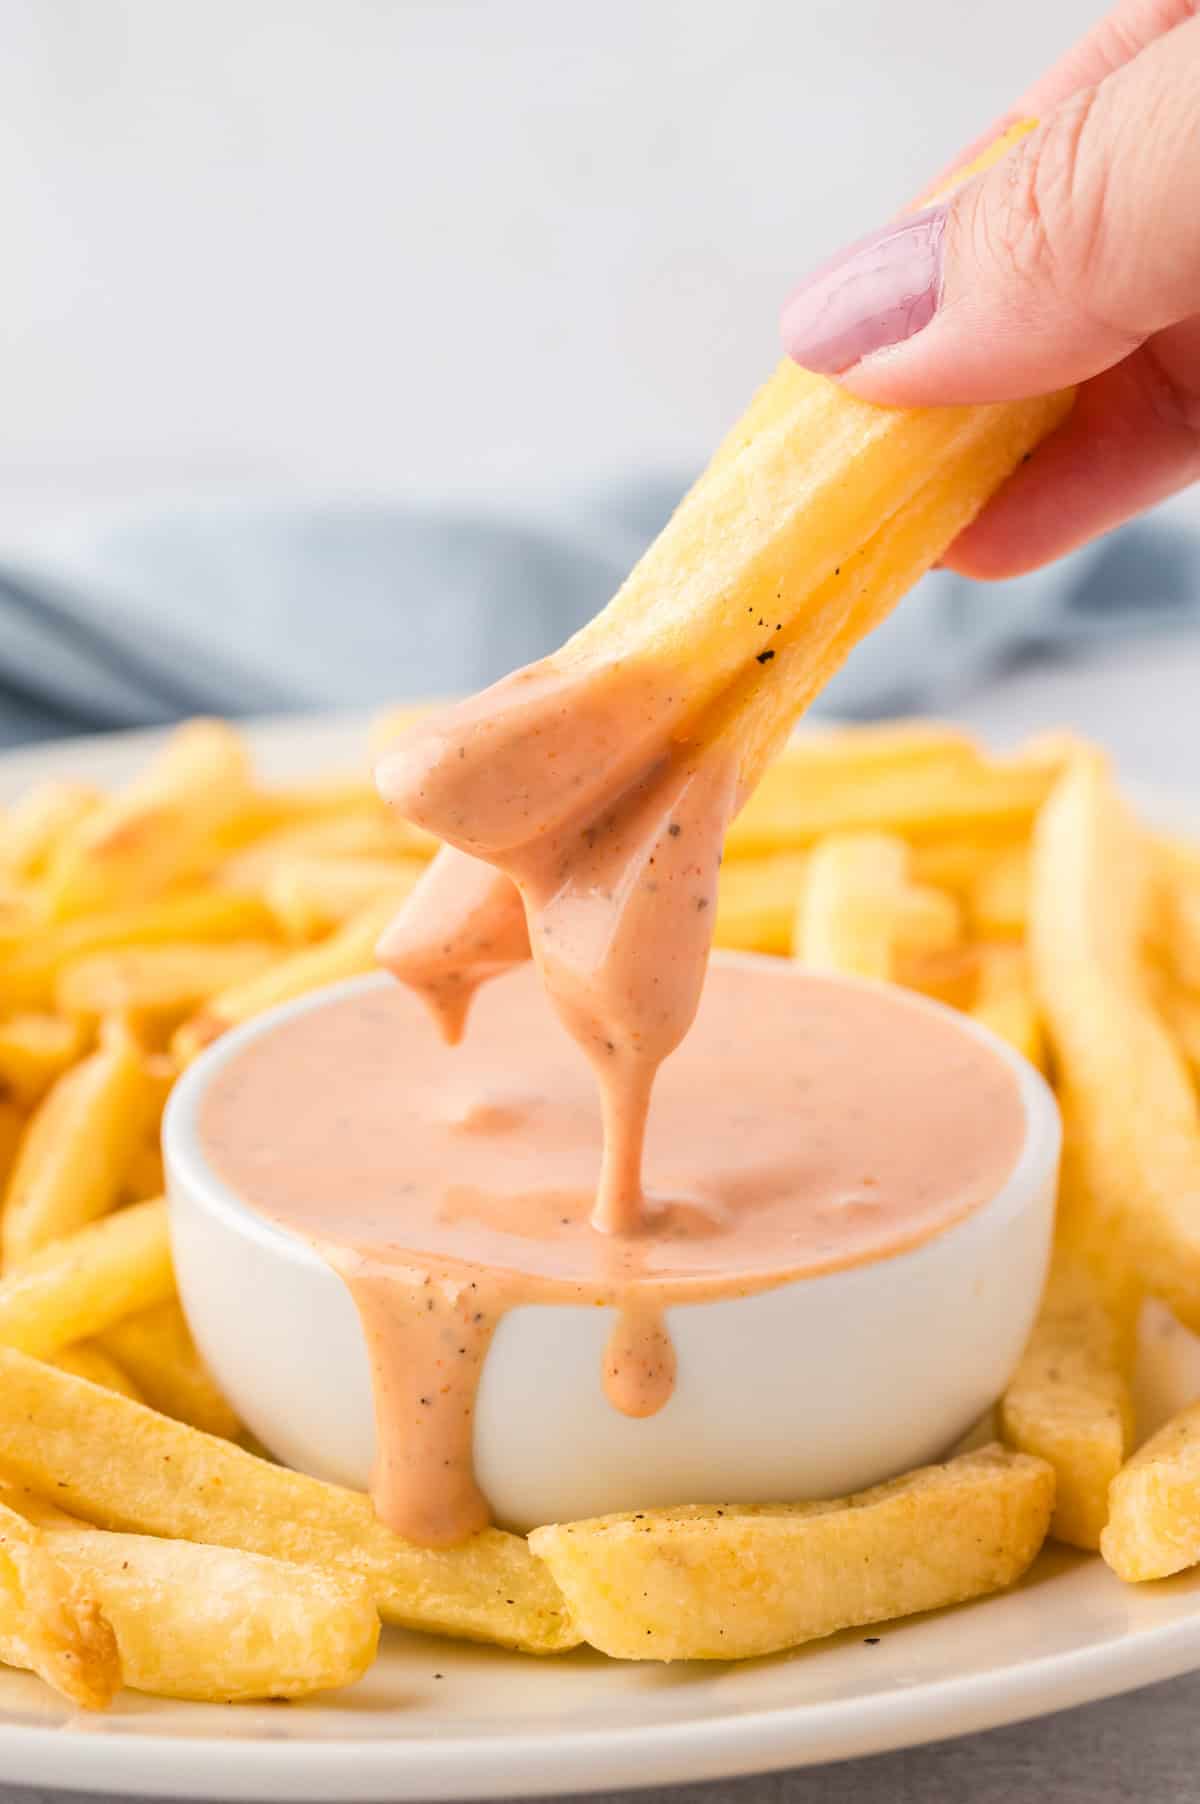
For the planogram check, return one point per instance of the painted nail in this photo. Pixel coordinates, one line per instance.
(877, 293)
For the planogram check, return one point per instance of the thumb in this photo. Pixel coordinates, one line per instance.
(1054, 265)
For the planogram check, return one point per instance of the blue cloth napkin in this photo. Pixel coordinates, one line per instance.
(243, 608)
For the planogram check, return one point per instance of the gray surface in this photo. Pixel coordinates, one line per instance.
(1143, 1746)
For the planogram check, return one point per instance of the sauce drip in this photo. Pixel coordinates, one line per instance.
(805, 1124)
(612, 836)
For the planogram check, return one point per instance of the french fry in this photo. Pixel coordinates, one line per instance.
(1182, 1011)
(1154, 1504)
(152, 988)
(268, 810)
(145, 1177)
(931, 796)
(950, 976)
(35, 1049)
(312, 896)
(86, 1359)
(704, 1583)
(860, 909)
(347, 953)
(50, 1623)
(174, 1482)
(369, 831)
(1004, 1001)
(37, 823)
(757, 900)
(999, 899)
(30, 968)
(76, 1155)
(214, 1624)
(156, 1349)
(958, 861)
(12, 1129)
(1070, 1400)
(1129, 1106)
(80, 1286)
(159, 830)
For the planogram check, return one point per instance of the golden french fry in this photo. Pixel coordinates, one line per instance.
(152, 988)
(12, 1130)
(157, 1350)
(215, 1624)
(1004, 1000)
(347, 953)
(35, 1049)
(1183, 931)
(959, 861)
(311, 896)
(706, 1583)
(268, 810)
(369, 832)
(146, 1176)
(37, 823)
(1129, 1106)
(859, 908)
(757, 900)
(29, 971)
(87, 1359)
(76, 1155)
(1154, 1504)
(950, 976)
(159, 830)
(79, 1286)
(1070, 1399)
(949, 793)
(1182, 1011)
(50, 1622)
(174, 1482)
(999, 899)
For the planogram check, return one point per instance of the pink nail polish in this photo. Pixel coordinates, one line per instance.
(877, 293)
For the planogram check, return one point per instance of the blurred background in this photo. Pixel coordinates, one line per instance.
(351, 346)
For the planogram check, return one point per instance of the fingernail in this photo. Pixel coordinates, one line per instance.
(877, 293)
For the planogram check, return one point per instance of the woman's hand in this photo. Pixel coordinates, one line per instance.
(1075, 260)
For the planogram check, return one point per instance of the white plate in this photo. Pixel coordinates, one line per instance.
(442, 1720)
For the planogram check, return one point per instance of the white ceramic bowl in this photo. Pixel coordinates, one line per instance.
(821, 1386)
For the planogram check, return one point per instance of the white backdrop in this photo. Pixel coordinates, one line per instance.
(452, 248)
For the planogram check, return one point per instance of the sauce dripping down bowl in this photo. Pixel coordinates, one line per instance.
(856, 1346)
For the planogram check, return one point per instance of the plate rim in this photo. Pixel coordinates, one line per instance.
(94, 1755)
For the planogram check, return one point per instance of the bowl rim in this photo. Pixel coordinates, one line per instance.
(188, 1167)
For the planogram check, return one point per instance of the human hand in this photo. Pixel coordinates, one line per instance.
(1075, 260)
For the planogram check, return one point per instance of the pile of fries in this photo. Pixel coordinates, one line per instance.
(144, 1542)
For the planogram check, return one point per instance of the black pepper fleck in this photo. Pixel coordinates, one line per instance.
(764, 657)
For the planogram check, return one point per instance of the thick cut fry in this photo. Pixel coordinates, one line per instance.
(704, 1583)
(347, 953)
(949, 793)
(78, 1287)
(268, 810)
(29, 971)
(12, 1130)
(1182, 1010)
(157, 831)
(958, 861)
(34, 1051)
(1183, 931)
(312, 896)
(1129, 1106)
(757, 900)
(999, 899)
(156, 1348)
(1154, 1504)
(146, 1176)
(174, 1482)
(37, 823)
(88, 1360)
(860, 909)
(1070, 1399)
(1004, 1001)
(75, 1158)
(50, 1621)
(218, 1625)
(367, 832)
(950, 976)
(152, 988)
